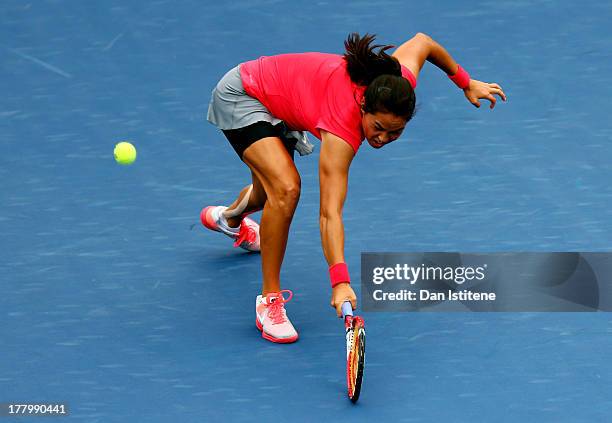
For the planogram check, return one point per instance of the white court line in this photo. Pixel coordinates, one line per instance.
(113, 41)
(41, 63)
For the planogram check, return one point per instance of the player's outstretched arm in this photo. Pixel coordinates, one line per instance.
(420, 48)
(334, 162)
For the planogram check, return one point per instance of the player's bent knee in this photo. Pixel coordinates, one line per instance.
(289, 193)
(285, 196)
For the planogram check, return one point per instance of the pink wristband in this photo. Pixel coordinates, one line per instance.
(461, 78)
(338, 273)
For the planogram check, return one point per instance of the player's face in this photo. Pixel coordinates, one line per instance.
(382, 128)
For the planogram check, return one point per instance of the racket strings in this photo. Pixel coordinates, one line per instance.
(356, 358)
(349, 342)
(353, 358)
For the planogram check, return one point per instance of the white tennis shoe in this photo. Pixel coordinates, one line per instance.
(246, 236)
(271, 317)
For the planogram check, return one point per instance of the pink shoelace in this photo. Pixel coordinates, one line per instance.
(276, 306)
(246, 233)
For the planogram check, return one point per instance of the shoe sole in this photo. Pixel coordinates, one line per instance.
(273, 339)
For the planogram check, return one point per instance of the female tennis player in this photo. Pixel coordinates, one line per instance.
(264, 106)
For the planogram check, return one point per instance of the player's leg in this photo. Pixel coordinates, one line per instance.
(273, 167)
(233, 220)
(250, 200)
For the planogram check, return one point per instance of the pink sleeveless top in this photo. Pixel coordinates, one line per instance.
(309, 92)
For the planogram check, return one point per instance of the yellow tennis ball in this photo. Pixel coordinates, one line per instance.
(125, 153)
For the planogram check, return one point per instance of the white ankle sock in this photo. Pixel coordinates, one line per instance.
(223, 222)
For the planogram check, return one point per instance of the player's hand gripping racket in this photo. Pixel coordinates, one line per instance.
(355, 350)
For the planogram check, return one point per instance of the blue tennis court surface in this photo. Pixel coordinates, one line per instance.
(117, 302)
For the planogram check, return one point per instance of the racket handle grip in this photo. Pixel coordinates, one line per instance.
(347, 309)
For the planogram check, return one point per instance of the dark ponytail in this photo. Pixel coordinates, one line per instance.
(364, 64)
(387, 91)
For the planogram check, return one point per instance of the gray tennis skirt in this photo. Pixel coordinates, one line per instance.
(232, 108)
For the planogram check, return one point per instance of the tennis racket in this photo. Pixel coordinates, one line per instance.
(355, 351)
